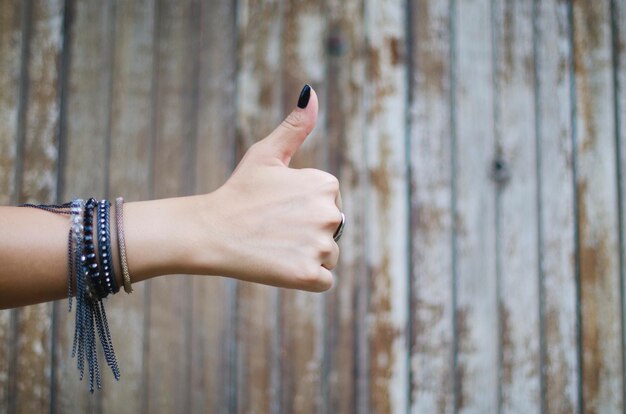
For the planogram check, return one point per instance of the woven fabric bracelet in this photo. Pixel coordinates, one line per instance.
(121, 243)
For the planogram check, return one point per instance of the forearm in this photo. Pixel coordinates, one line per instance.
(267, 224)
(34, 247)
(33, 256)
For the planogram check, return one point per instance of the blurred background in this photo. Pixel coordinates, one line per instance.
(481, 150)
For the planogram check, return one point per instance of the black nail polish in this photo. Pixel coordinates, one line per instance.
(305, 95)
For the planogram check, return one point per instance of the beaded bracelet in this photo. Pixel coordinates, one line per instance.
(91, 286)
(107, 276)
(95, 288)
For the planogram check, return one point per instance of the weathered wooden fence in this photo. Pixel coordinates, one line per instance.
(482, 154)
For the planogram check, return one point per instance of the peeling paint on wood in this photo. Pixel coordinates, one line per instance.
(245, 348)
(619, 50)
(432, 388)
(10, 46)
(602, 382)
(557, 248)
(386, 210)
(477, 313)
(518, 263)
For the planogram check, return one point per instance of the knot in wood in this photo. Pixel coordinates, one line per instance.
(336, 44)
(500, 171)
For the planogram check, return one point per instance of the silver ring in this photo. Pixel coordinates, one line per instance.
(339, 230)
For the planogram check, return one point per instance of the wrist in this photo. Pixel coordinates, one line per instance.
(164, 237)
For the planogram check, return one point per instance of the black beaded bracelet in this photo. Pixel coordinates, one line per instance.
(107, 276)
(95, 288)
(90, 280)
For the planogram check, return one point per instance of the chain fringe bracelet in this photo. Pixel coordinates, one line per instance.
(88, 275)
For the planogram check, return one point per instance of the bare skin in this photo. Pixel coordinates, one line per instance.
(267, 224)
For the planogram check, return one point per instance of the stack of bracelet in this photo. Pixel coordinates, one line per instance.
(91, 270)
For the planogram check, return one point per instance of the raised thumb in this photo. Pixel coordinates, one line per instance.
(285, 140)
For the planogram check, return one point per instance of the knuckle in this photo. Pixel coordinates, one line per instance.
(325, 284)
(333, 182)
(326, 180)
(312, 173)
(329, 216)
(332, 265)
(325, 248)
(334, 217)
(314, 278)
(309, 277)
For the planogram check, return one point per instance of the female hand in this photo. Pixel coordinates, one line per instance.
(274, 224)
(267, 224)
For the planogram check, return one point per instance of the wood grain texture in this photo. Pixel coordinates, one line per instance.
(169, 358)
(10, 47)
(214, 344)
(387, 206)
(454, 293)
(302, 338)
(556, 201)
(618, 15)
(432, 388)
(477, 302)
(258, 113)
(345, 362)
(596, 193)
(38, 184)
(517, 234)
(129, 176)
(84, 170)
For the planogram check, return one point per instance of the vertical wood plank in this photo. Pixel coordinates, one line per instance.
(517, 238)
(618, 14)
(431, 167)
(387, 206)
(476, 294)
(130, 137)
(596, 187)
(38, 181)
(87, 101)
(214, 342)
(258, 113)
(84, 170)
(557, 243)
(10, 47)
(303, 51)
(345, 365)
(168, 359)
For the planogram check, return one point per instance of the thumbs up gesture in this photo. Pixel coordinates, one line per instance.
(274, 224)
